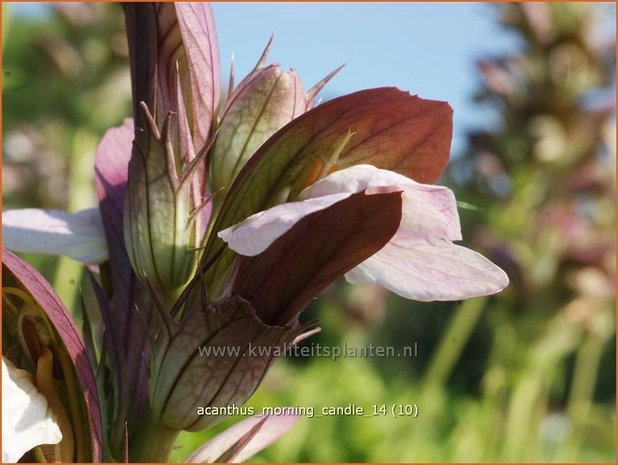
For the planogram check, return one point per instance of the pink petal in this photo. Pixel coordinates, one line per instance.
(271, 429)
(428, 211)
(111, 173)
(420, 262)
(354, 179)
(253, 235)
(199, 38)
(112, 165)
(431, 270)
(111, 168)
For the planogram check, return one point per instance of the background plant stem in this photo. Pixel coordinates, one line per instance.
(80, 195)
(453, 342)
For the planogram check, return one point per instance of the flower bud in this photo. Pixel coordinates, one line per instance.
(212, 362)
(263, 103)
(161, 229)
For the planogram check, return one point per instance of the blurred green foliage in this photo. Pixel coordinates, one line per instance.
(65, 80)
(528, 375)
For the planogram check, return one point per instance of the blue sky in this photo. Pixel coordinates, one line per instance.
(429, 49)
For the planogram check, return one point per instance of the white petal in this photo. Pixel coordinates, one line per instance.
(273, 428)
(354, 179)
(427, 271)
(428, 211)
(254, 235)
(27, 421)
(78, 235)
(420, 262)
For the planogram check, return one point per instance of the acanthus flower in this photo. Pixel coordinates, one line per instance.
(419, 262)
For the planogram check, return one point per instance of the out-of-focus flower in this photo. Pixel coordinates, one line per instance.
(27, 420)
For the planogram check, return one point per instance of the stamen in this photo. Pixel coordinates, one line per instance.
(312, 173)
(334, 158)
(318, 168)
(283, 195)
(45, 385)
(72, 394)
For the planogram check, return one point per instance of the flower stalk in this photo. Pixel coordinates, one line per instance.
(153, 442)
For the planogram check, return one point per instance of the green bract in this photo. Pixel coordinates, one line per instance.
(161, 219)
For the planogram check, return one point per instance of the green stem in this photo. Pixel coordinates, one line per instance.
(7, 17)
(67, 276)
(452, 343)
(80, 195)
(581, 397)
(517, 444)
(153, 442)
